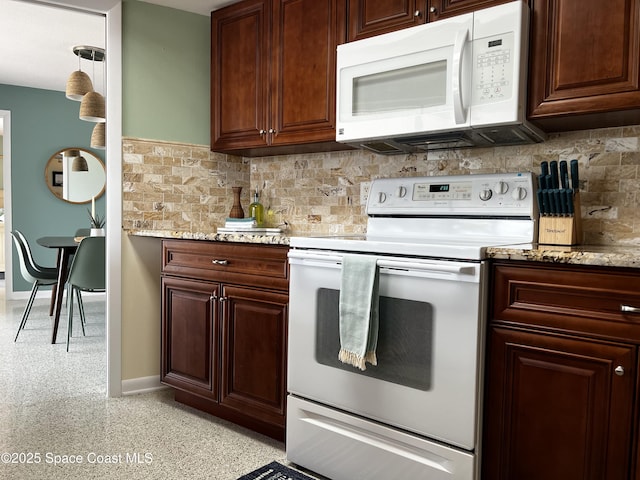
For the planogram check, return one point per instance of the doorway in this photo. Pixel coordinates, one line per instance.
(5, 154)
(112, 11)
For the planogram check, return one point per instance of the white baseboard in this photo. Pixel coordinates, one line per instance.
(134, 386)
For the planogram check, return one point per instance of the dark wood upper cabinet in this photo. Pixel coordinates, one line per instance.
(440, 9)
(584, 64)
(273, 71)
(239, 75)
(368, 18)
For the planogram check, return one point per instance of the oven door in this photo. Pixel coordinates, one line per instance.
(429, 350)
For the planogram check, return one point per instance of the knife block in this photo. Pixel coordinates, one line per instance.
(554, 230)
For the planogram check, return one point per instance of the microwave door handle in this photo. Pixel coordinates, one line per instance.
(459, 110)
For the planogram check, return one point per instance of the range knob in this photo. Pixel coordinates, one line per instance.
(401, 192)
(501, 187)
(485, 194)
(519, 193)
(382, 197)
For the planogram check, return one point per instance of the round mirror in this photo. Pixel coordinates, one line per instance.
(75, 175)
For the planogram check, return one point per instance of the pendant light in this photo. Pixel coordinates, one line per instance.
(98, 136)
(79, 163)
(92, 108)
(79, 83)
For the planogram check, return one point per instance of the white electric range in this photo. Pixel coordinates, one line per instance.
(416, 414)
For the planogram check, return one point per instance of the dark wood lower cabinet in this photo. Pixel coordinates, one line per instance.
(254, 340)
(224, 330)
(189, 352)
(556, 409)
(561, 388)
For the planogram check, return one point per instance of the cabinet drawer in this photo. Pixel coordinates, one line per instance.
(248, 264)
(573, 299)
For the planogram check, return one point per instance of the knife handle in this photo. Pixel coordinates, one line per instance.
(560, 203)
(546, 202)
(542, 182)
(569, 197)
(564, 174)
(553, 170)
(541, 205)
(544, 168)
(553, 208)
(575, 179)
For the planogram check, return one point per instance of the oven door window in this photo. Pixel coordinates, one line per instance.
(405, 339)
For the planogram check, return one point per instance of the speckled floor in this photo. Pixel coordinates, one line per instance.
(56, 422)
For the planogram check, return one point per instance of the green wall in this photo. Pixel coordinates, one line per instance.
(165, 97)
(42, 122)
(165, 73)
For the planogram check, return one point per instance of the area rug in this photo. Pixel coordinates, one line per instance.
(275, 471)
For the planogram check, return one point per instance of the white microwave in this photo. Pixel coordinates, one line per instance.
(459, 82)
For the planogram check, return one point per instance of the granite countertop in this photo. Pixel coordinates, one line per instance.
(214, 237)
(603, 255)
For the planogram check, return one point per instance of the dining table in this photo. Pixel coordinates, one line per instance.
(66, 246)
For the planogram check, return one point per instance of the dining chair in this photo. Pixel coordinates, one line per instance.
(30, 257)
(32, 272)
(81, 233)
(87, 274)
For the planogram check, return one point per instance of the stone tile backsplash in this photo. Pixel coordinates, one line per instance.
(170, 186)
(187, 188)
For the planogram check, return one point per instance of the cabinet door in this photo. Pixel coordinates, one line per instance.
(303, 70)
(556, 409)
(254, 340)
(440, 9)
(585, 59)
(188, 333)
(239, 75)
(374, 17)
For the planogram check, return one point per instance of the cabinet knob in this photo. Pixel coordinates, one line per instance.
(262, 131)
(223, 299)
(213, 298)
(629, 309)
(220, 262)
(417, 13)
(272, 130)
(619, 370)
(433, 10)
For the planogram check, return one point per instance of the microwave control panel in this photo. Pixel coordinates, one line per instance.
(494, 69)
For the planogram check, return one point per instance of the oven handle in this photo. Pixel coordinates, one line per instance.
(382, 263)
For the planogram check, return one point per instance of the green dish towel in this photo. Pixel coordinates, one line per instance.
(358, 311)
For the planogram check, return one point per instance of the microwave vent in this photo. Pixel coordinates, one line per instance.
(518, 134)
(385, 148)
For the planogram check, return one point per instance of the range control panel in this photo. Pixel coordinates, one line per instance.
(499, 194)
